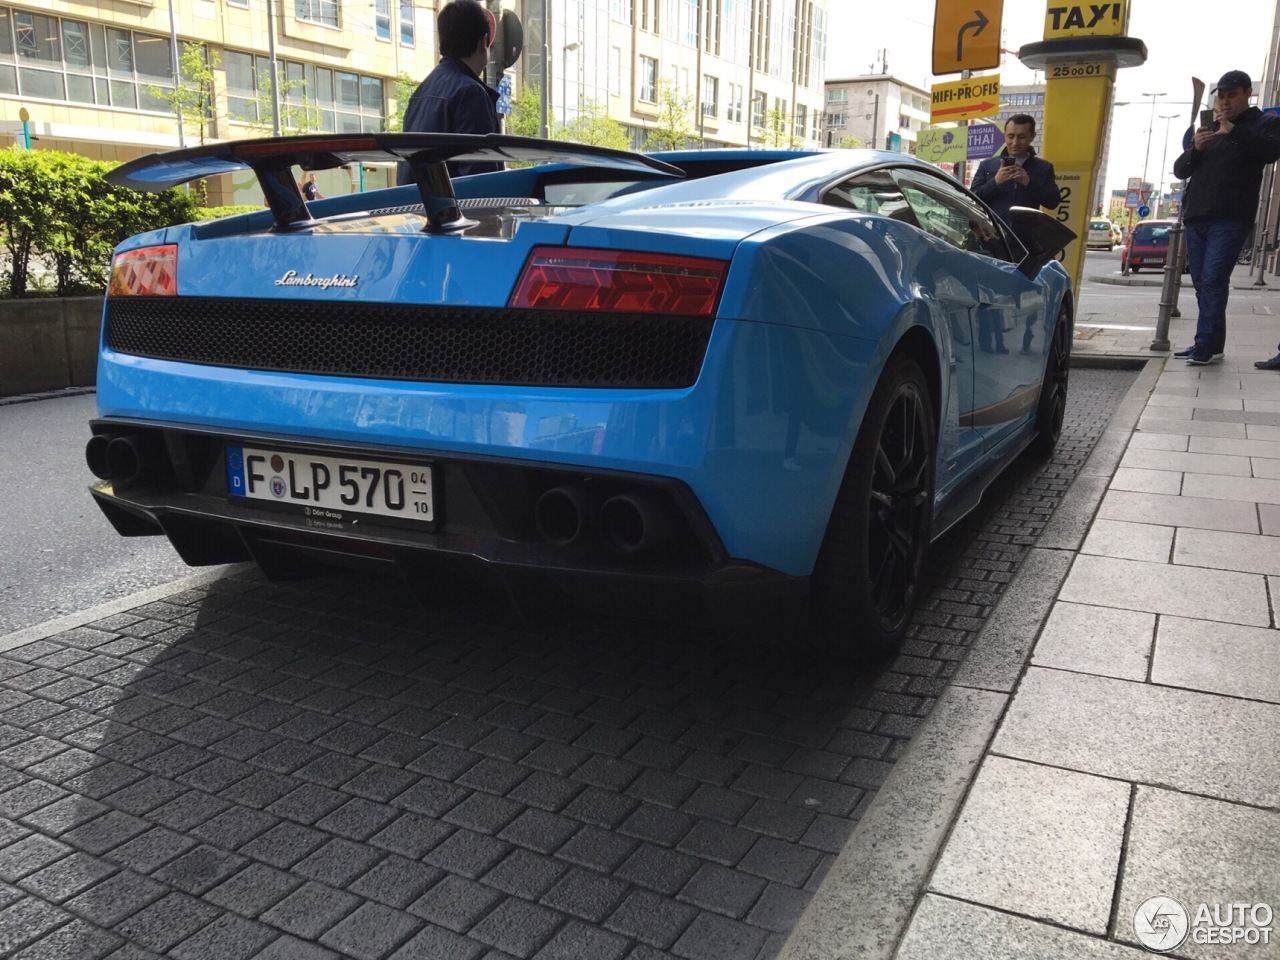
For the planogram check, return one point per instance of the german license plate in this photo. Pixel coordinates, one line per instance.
(332, 486)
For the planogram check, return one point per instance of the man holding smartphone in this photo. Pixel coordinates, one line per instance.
(1016, 177)
(1223, 169)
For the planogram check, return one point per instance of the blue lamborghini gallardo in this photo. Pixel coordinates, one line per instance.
(727, 384)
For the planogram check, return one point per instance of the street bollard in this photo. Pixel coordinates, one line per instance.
(1172, 285)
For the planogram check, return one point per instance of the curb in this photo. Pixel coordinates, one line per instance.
(865, 903)
(42, 631)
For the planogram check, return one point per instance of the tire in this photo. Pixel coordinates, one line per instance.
(867, 577)
(1052, 406)
(1134, 269)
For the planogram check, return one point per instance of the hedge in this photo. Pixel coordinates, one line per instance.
(57, 208)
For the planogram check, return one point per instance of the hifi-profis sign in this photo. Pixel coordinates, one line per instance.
(965, 99)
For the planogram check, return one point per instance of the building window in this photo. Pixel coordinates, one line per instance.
(382, 19)
(758, 102)
(620, 10)
(800, 128)
(615, 71)
(242, 84)
(840, 95)
(323, 12)
(408, 26)
(648, 91)
(49, 58)
(837, 119)
(710, 96)
(733, 104)
(312, 98)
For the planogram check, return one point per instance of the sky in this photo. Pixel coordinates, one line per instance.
(1180, 44)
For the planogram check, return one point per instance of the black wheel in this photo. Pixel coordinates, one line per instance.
(1053, 390)
(1134, 269)
(867, 577)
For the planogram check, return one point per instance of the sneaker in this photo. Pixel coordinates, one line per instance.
(1199, 359)
(1184, 354)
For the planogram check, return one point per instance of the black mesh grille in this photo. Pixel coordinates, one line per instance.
(391, 341)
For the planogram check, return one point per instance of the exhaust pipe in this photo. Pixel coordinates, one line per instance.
(564, 514)
(132, 457)
(632, 522)
(95, 454)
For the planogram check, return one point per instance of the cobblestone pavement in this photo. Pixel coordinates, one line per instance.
(326, 769)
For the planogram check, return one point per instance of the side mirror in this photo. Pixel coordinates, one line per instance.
(1042, 236)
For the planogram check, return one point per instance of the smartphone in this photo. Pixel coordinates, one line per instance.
(1206, 118)
(1005, 161)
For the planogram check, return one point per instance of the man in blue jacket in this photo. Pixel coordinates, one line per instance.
(1223, 170)
(1016, 177)
(453, 98)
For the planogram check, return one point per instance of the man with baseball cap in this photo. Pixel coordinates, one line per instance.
(453, 98)
(1223, 170)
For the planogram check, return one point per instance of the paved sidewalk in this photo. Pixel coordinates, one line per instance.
(1114, 735)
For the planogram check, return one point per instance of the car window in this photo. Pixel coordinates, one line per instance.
(875, 192)
(1150, 233)
(950, 215)
(1100, 225)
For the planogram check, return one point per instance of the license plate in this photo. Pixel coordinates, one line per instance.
(332, 487)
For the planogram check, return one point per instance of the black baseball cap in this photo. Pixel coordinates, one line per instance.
(1232, 79)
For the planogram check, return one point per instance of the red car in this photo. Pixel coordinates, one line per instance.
(1146, 246)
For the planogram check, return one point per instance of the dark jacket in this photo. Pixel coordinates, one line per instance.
(1225, 178)
(452, 100)
(1042, 191)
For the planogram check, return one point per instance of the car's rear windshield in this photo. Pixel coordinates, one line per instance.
(1151, 233)
(1099, 224)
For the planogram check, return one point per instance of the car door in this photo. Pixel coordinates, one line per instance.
(1009, 343)
(924, 274)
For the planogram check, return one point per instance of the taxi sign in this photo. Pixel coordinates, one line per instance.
(1086, 19)
(966, 35)
(968, 99)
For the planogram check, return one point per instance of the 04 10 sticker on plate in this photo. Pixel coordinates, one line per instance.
(380, 488)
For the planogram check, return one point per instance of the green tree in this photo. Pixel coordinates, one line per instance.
(849, 143)
(192, 97)
(594, 126)
(297, 114)
(405, 85)
(525, 119)
(24, 214)
(674, 128)
(776, 131)
(57, 210)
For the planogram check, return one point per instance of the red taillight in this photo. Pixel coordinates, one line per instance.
(145, 272)
(562, 278)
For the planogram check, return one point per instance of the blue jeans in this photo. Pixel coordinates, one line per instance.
(1212, 249)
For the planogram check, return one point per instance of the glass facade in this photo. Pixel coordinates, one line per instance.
(58, 58)
(312, 98)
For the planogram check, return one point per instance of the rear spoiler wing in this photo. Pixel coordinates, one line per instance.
(272, 159)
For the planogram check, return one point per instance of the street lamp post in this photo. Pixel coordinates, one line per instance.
(564, 81)
(1146, 159)
(1164, 161)
(874, 117)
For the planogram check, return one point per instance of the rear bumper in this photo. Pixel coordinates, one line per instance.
(491, 530)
